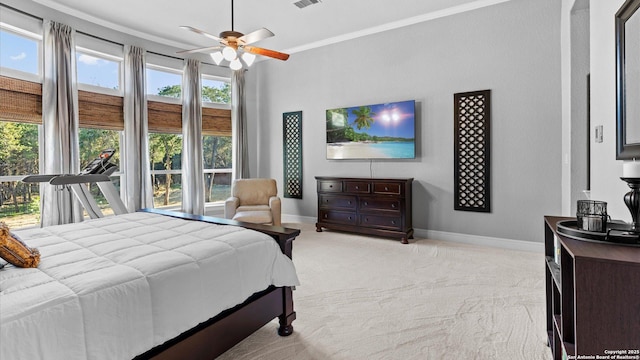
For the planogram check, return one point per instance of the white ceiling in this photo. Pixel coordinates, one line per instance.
(295, 29)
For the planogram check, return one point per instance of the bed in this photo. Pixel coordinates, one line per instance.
(148, 285)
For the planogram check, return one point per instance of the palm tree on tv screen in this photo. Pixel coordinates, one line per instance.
(364, 117)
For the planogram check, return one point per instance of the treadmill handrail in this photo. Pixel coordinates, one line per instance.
(78, 179)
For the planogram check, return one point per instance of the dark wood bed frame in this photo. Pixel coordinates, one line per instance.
(220, 333)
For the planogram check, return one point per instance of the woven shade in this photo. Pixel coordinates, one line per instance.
(21, 101)
(100, 111)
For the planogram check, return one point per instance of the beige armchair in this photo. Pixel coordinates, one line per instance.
(254, 201)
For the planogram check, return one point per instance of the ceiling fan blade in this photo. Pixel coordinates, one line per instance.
(257, 35)
(198, 31)
(204, 49)
(266, 52)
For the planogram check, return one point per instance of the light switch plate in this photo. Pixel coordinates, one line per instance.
(598, 133)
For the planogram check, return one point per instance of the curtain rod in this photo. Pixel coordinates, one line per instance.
(99, 38)
(21, 12)
(175, 57)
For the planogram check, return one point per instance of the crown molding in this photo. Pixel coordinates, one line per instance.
(397, 24)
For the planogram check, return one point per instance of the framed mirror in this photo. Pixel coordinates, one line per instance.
(628, 81)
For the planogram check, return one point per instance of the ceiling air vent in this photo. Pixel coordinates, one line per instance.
(304, 3)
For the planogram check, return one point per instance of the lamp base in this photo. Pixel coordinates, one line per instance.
(632, 200)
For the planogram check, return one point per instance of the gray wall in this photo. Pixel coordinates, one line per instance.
(605, 169)
(512, 48)
(579, 129)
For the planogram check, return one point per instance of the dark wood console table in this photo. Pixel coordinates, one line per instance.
(380, 207)
(592, 295)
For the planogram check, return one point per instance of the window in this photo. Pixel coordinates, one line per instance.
(215, 90)
(165, 154)
(216, 151)
(102, 73)
(19, 54)
(19, 202)
(164, 82)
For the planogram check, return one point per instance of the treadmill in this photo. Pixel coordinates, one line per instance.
(96, 172)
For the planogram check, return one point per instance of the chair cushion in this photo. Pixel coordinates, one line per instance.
(253, 208)
(256, 217)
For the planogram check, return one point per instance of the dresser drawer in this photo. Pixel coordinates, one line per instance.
(338, 201)
(387, 188)
(338, 217)
(383, 204)
(384, 222)
(360, 187)
(329, 186)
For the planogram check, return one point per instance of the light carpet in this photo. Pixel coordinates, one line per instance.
(372, 298)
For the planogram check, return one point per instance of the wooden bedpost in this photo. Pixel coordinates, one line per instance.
(288, 314)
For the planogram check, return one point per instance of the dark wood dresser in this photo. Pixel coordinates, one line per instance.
(369, 206)
(593, 297)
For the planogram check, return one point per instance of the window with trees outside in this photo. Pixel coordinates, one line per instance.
(19, 202)
(20, 64)
(216, 147)
(165, 154)
(165, 141)
(216, 91)
(164, 82)
(165, 145)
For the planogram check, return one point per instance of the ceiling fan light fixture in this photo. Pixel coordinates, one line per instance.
(217, 57)
(235, 64)
(229, 53)
(248, 58)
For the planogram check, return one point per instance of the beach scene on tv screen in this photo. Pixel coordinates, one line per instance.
(381, 131)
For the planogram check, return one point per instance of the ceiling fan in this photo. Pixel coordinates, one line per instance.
(235, 46)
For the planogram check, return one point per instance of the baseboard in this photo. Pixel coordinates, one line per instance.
(502, 243)
(298, 219)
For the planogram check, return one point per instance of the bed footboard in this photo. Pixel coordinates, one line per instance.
(215, 336)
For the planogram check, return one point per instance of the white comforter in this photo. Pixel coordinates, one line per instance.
(116, 287)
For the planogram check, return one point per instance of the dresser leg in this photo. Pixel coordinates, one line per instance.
(404, 240)
(318, 228)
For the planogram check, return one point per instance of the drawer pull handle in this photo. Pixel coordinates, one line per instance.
(330, 186)
(349, 217)
(393, 206)
(349, 202)
(325, 216)
(366, 203)
(393, 222)
(386, 188)
(366, 219)
(326, 200)
(357, 187)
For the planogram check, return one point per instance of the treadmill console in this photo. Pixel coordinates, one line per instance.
(100, 164)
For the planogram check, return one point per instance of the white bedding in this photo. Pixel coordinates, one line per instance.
(116, 287)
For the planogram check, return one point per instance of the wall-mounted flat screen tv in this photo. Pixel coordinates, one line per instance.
(380, 131)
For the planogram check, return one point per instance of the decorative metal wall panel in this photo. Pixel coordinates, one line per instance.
(292, 144)
(472, 171)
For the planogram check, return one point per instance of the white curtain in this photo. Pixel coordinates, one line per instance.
(192, 162)
(59, 153)
(137, 191)
(239, 150)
